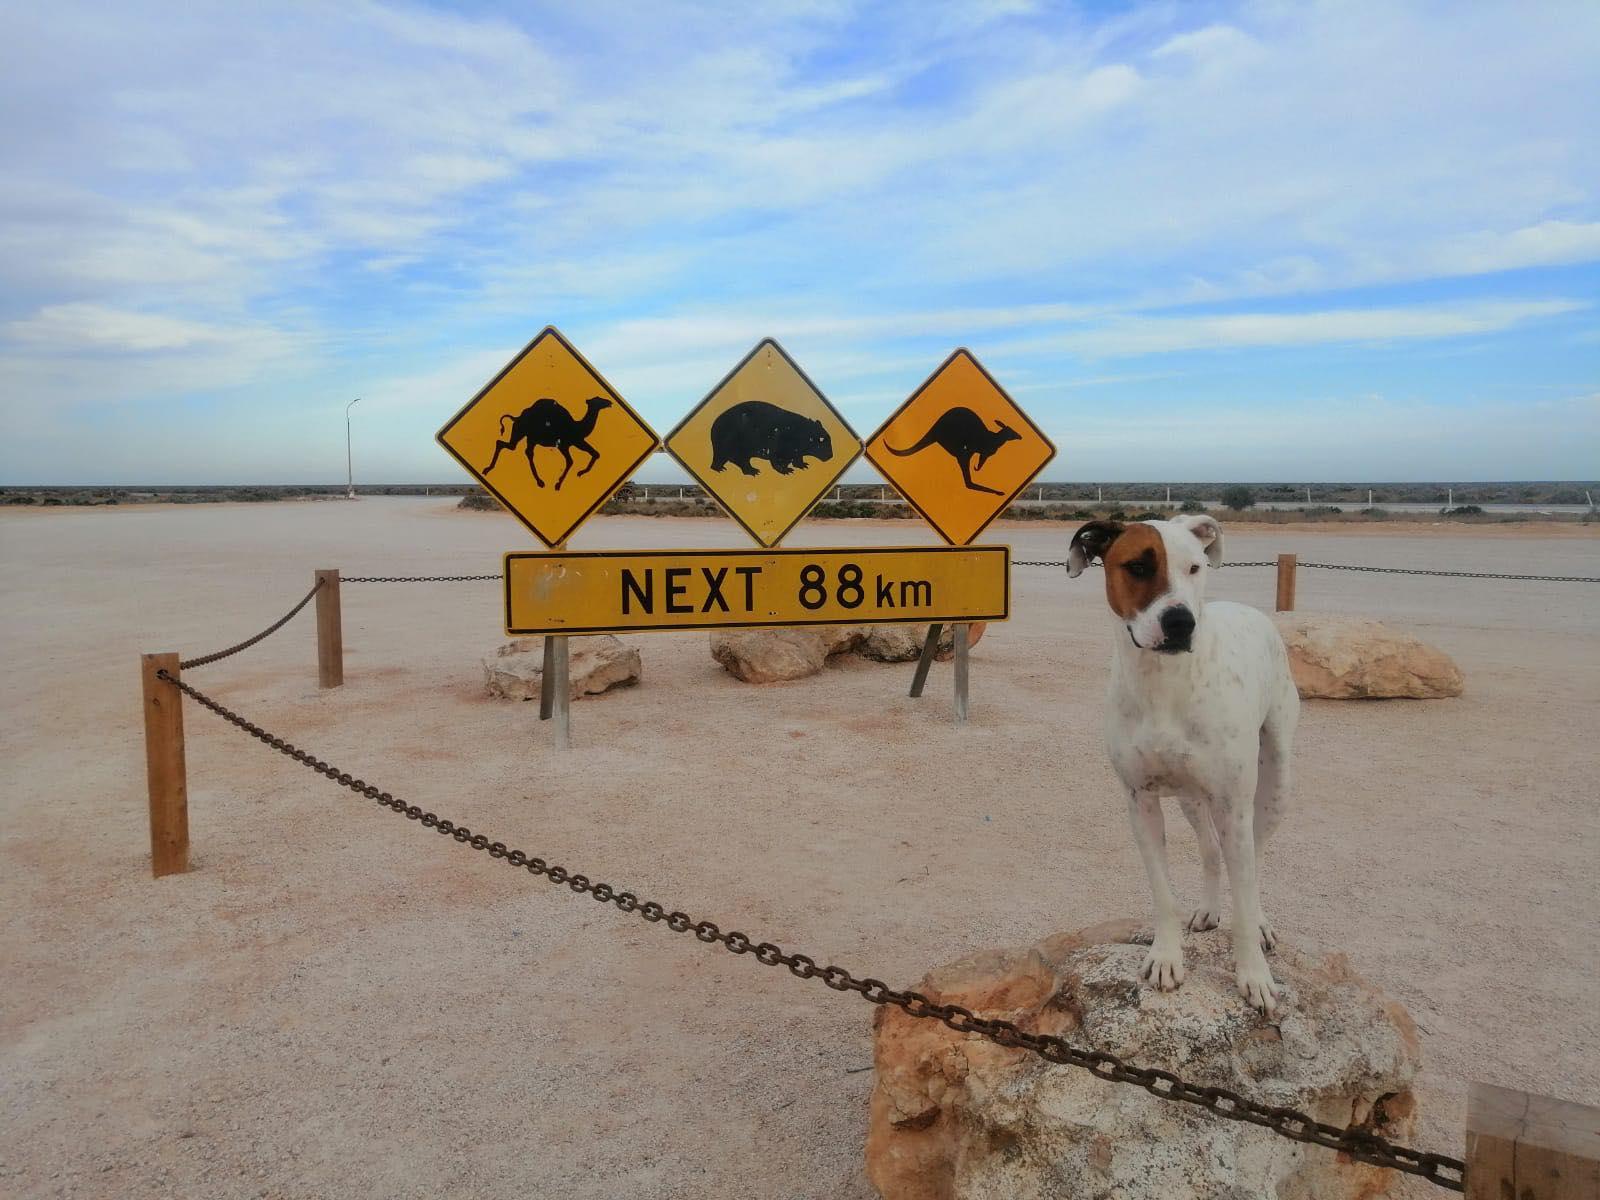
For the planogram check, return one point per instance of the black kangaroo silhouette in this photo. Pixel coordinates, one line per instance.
(962, 435)
(546, 423)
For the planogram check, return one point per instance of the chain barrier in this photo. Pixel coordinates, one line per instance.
(189, 664)
(417, 578)
(1019, 562)
(1453, 574)
(1061, 562)
(1054, 562)
(1360, 1144)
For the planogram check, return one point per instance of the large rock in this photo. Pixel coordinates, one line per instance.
(956, 1117)
(771, 655)
(1351, 658)
(515, 671)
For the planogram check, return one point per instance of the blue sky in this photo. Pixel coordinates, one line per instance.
(1195, 241)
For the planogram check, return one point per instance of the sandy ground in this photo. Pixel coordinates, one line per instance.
(336, 1003)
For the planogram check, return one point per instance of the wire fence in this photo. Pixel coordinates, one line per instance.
(1358, 1142)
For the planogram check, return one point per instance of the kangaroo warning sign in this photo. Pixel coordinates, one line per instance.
(549, 438)
(568, 593)
(766, 443)
(959, 450)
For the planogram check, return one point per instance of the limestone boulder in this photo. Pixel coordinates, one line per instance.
(956, 1117)
(772, 655)
(903, 643)
(515, 671)
(1352, 658)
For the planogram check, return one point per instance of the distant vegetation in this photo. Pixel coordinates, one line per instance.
(1333, 502)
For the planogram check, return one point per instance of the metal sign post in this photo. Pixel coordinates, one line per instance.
(962, 650)
(930, 650)
(555, 687)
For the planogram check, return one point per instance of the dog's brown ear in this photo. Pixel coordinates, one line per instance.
(1209, 533)
(1091, 542)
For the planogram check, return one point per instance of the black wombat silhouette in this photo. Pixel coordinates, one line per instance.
(547, 423)
(962, 434)
(756, 429)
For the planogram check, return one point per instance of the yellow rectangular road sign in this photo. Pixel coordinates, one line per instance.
(632, 592)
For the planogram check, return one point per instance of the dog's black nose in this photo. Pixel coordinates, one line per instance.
(1177, 625)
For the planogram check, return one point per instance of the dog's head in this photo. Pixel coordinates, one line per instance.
(1155, 575)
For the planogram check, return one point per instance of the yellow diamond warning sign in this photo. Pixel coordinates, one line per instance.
(766, 443)
(959, 450)
(549, 438)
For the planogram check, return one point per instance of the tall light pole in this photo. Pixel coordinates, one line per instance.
(349, 470)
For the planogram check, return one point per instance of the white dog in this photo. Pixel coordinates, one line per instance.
(1202, 707)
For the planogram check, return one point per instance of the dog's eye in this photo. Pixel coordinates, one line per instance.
(1195, 570)
(1140, 569)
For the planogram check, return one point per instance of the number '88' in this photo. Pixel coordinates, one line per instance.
(814, 587)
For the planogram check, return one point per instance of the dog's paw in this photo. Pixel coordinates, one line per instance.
(1204, 918)
(1269, 938)
(1256, 985)
(1163, 967)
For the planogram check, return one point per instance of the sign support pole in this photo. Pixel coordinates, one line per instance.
(961, 672)
(563, 697)
(930, 647)
(555, 694)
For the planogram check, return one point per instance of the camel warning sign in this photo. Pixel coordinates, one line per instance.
(959, 450)
(549, 438)
(641, 590)
(766, 443)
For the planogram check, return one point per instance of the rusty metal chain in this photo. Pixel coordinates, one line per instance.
(1358, 1143)
(1452, 574)
(1054, 562)
(417, 578)
(189, 664)
(1374, 570)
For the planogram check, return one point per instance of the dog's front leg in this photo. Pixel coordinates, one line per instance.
(1164, 964)
(1233, 819)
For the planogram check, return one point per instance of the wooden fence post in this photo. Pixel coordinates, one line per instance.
(166, 775)
(1286, 570)
(330, 631)
(1530, 1147)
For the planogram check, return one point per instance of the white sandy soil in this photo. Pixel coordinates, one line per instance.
(336, 1002)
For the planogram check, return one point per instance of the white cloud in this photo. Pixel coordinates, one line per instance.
(76, 328)
(1157, 335)
(251, 192)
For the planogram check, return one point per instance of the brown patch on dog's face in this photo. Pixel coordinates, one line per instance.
(1136, 571)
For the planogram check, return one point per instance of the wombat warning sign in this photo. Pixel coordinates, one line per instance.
(766, 443)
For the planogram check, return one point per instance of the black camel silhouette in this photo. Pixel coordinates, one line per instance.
(962, 434)
(546, 423)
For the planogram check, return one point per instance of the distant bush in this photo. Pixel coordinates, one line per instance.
(1238, 497)
(1149, 516)
(1375, 514)
(1321, 510)
(1191, 506)
(1463, 510)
